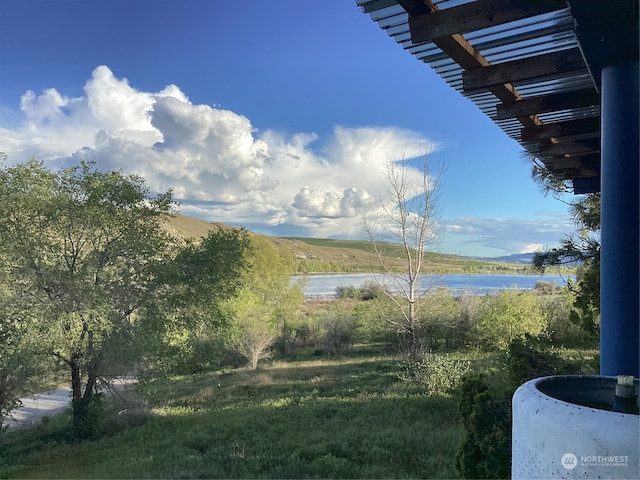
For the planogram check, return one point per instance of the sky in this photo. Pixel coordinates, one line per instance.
(277, 115)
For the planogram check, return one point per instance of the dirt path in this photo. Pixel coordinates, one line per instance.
(46, 404)
(34, 407)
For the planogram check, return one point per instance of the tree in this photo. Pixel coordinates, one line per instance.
(187, 322)
(82, 244)
(19, 359)
(254, 331)
(582, 249)
(485, 449)
(269, 276)
(407, 215)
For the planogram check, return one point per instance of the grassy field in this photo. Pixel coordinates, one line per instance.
(351, 417)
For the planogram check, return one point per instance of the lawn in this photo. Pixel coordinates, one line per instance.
(348, 417)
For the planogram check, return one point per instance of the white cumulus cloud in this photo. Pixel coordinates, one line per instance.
(217, 164)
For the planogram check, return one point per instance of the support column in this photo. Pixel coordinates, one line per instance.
(620, 264)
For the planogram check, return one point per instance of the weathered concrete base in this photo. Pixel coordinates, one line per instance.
(563, 428)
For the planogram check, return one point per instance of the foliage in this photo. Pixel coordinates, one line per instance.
(82, 243)
(582, 248)
(267, 286)
(19, 357)
(339, 328)
(408, 216)
(443, 325)
(439, 374)
(485, 450)
(533, 357)
(586, 304)
(368, 291)
(187, 322)
(253, 331)
(372, 318)
(506, 316)
(563, 329)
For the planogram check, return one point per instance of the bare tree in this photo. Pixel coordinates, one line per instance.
(407, 215)
(255, 342)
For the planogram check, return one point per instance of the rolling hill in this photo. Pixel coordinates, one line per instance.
(316, 255)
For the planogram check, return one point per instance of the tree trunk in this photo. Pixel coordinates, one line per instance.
(84, 420)
(76, 380)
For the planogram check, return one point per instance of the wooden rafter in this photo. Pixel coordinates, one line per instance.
(571, 149)
(465, 55)
(476, 16)
(549, 103)
(571, 129)
(541, 67)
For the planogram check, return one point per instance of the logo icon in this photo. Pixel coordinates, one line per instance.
(569, 461)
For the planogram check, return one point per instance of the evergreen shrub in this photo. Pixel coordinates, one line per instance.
(485, 449)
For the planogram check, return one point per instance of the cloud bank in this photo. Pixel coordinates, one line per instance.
(222, 169)
(500, 236)
(218, 165)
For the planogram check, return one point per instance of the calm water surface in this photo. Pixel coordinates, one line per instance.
(324, 285)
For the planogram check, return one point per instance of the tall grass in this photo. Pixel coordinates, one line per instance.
(349, 417)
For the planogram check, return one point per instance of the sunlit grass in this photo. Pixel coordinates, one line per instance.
(316, 418)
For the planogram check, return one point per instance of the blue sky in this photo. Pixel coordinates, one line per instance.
(278, 115)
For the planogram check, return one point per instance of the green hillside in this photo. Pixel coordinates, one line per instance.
(317, 255)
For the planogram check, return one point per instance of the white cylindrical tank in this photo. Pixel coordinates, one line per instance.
(563, 427)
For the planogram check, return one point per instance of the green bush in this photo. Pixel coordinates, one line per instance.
(444, 373)
(88, 416)
(443, 326)
(485, 449)
(368, 291)
(339, 332)
(506, 316)
(533, 357)
(439, 374)
(563, 328)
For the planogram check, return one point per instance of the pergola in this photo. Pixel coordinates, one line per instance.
(561, 78)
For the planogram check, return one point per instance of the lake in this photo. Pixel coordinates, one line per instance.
(324, 285)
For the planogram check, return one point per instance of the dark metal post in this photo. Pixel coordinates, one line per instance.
(620, 264)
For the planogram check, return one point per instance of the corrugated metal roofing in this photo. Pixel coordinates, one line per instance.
(525, 38)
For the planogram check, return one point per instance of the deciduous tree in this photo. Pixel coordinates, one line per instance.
(82, 244)
(407, 215)
(188, 322)
(254, 330)
(19, 357)
(269, 277)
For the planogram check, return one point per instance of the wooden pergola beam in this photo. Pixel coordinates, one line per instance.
(476, 16)
(571, 148)
(547, 66)
(589, 161)
(445, 28)
(465, 55)
(548, 103)
(579, 172)
(571, 129)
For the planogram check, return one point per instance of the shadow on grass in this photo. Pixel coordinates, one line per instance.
(351, 419)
